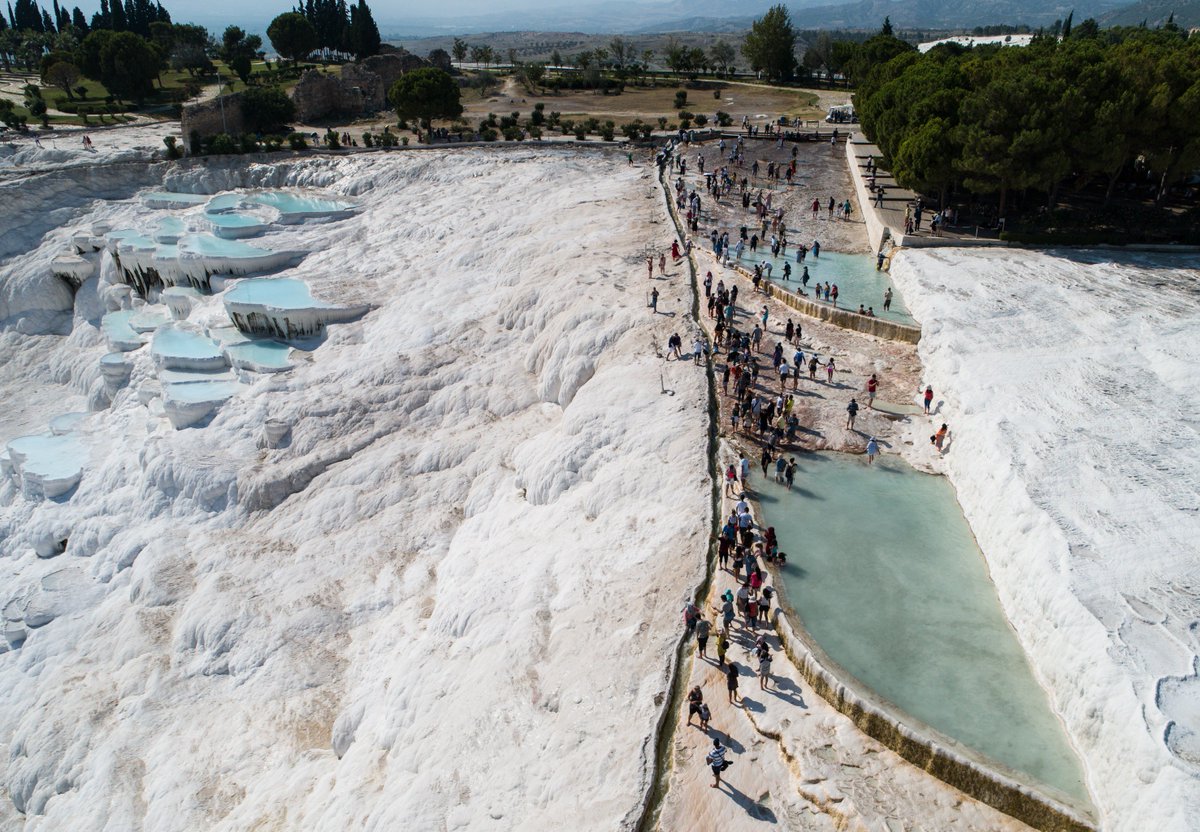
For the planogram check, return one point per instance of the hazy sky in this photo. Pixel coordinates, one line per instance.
(399, 16)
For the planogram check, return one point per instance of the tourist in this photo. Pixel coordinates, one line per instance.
(790, 474)
(764, 604)
(872, 387)
(654, 300)
(764, 667)
(852, 413)
(751, 610)
(834, 293)
(650, 267)
(730, 480)
(804, 278)
(744, 466)
(928, 398)
(879, 262)
(816, 248)
(716, 758)
(695, 700)
(675, 249)
(691, 614)
(765, 461)
(887, 299)
(872, 450)
(727, 613)
(731, 682)
(939, 438)
(697, 350)
(705, 715)
(722, 645)
(829, 370)
(703, 627)
(662, 264)
(780, 468)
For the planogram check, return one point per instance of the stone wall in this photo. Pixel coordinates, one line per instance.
(361, 87)
(221, 115)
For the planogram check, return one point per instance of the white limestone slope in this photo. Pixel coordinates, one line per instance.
(428, 579)
(1069, 383)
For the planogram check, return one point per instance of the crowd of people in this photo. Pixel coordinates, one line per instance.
(757, 411)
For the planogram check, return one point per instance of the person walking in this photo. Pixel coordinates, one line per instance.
(939, 438)
(731, 682)
(654, 301)
(872, 450)
(695, 702)
(722, 645)
(703, 627)
(765, 461)
(830, 369)
(662, 264)
(928, 398)
(717, 762)
(872, 387)
(851, 413)
(764, 667)
(887, 299)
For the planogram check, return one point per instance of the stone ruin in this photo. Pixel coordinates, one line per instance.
(361, 88)
(221, 115)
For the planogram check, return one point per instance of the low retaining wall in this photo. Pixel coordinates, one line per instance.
(877, 232)
(925, 747)
(844, 318)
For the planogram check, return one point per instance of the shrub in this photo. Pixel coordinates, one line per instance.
(686, 114)
(173, 151)
(723, 118)
(717, 95)
(220, 145)
(403, 140)
(513, 134)
(685, 124)
(701, 120)
(248, 143)
(489, 135)
(535, 132)
(297, 141)
(680, 99)
(273, 144)
(332, 140)
(368, 140)
(662, 122)
(580, 134)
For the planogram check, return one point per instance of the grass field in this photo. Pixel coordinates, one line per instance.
(759, 102)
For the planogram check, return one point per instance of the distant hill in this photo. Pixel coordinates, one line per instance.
(1155, 13)
(950, 14)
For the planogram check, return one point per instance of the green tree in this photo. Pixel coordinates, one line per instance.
(770, 45)
(64, 75)
(292, 36)
(362, 35)
(267, 109)
(35, 104)
(129, 64)
(238, 50)
(426, 94)
(722, 55)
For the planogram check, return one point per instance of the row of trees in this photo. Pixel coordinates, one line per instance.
(620, 57)
(333, 27)
(999, 119)
(135, 16)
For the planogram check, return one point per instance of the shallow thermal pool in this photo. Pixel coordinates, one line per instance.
(886, 576)
(855, 275)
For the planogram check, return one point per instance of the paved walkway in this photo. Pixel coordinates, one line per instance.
(897, 199)
(797, 762)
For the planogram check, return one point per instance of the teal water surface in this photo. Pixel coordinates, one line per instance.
(886, 576)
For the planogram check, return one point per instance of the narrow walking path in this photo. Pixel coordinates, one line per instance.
(797, 763)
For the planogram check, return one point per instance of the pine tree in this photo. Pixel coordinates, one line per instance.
(79, 21)
(47, 22)
(119, 20)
